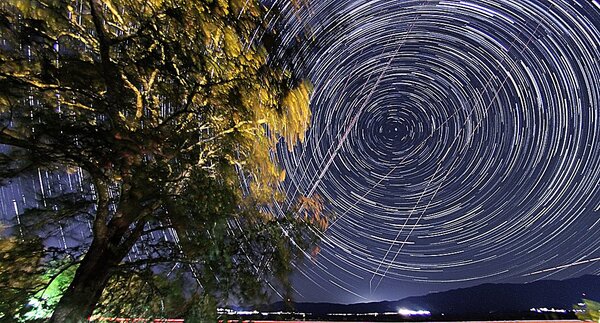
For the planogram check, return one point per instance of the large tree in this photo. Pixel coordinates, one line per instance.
(170, 110)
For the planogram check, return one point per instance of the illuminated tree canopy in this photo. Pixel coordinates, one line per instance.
(171, 110)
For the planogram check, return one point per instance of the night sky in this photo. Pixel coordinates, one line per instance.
(454, 143)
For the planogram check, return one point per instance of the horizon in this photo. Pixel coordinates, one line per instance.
(444, 291)
(414, 147)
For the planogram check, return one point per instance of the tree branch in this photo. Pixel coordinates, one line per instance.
(102, 213)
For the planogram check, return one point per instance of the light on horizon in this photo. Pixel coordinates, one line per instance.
(407, 312)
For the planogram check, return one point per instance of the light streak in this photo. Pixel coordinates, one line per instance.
(474, 158)
(577, 263)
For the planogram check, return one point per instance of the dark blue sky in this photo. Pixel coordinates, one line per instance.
(455, 142)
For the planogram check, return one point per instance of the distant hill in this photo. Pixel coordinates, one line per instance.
(482, 301)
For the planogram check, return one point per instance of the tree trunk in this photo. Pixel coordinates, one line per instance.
(78, 301)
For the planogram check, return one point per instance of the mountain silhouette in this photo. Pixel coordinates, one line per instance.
(482, 301)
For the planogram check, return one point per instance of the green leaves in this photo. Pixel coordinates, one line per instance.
(57, 279)
(20, 275)
(591, 311)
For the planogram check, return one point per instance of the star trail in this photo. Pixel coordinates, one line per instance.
(454, 142)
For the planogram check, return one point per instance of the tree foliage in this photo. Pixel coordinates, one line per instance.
(590, 311)
(19, 274)
(171, 110)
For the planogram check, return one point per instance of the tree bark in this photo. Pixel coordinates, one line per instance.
(110, 244)
(78, 301)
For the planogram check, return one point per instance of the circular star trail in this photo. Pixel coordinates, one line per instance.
(453, 141)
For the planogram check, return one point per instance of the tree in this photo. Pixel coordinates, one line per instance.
(18, 264)
(590, 311)
(171, 110)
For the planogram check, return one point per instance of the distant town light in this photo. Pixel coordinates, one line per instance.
(407, 312)
(548, 310)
